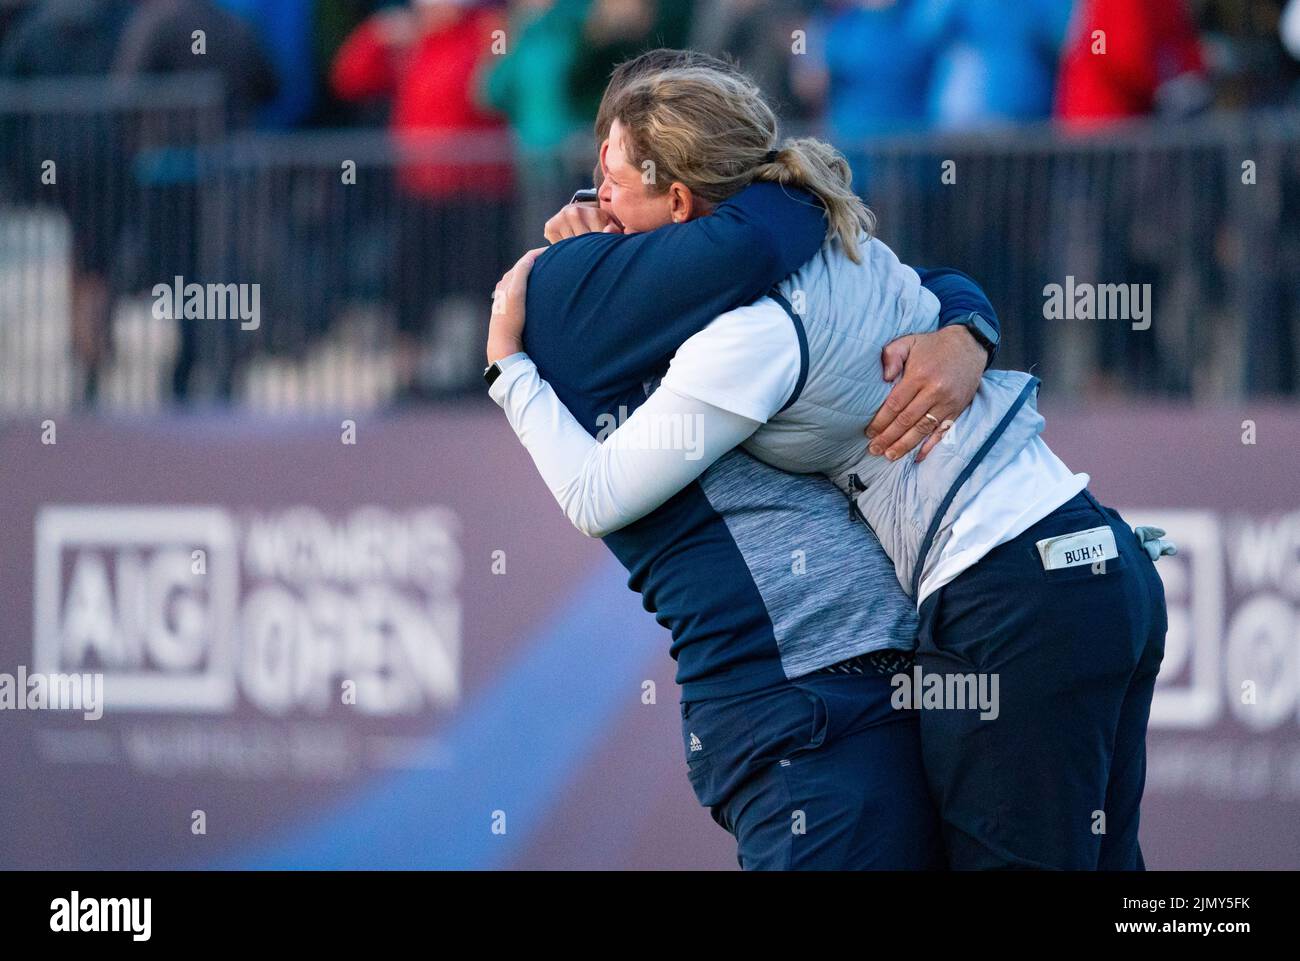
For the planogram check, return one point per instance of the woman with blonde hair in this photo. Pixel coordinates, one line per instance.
(1040, 611)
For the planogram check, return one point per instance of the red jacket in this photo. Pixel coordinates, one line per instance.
(433, 90)
(1148, 42)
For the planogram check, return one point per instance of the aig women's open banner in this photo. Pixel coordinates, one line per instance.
(242, 645)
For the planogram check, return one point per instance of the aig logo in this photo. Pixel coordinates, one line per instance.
(1233, 594)
(117, 592)
(186, 610)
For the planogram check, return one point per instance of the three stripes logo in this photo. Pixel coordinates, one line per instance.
(696, 743)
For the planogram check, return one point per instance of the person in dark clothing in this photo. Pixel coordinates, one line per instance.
(425, 58)
(74, 39)
(615, 31)
(161, 39)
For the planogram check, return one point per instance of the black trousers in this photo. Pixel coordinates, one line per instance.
(821, 773)
(1055, 778)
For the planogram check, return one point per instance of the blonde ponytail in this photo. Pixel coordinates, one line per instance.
(823, 171)
(714, 132)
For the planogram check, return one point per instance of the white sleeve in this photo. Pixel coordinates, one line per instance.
(748, 361)
(668, 442)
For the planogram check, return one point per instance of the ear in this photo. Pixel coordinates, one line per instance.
(682, 204)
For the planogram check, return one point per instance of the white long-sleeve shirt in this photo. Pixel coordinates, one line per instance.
(723, 384)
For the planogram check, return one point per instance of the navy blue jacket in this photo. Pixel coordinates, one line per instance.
(605, 314)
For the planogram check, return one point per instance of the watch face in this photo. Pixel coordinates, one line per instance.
(984, 330)
(490, 373)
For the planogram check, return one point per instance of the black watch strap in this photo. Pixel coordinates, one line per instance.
(983, 332)
(494, 370)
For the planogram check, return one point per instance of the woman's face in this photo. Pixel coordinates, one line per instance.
(638, 206)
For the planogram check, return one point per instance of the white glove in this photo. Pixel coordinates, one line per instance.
(1153, 542)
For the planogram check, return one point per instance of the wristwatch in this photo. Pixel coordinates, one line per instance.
(981, 330)
(493, 370)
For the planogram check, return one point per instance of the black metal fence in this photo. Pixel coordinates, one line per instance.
(148, 259)
(1201, 214)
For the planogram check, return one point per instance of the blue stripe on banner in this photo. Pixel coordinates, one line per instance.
(514, 748)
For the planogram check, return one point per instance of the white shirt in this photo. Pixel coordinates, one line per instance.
(722, 385)
(747, 362)
(1018, 496)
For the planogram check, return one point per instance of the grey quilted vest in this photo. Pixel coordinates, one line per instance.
(846, 313)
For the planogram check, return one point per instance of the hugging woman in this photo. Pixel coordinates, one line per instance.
(745, 293)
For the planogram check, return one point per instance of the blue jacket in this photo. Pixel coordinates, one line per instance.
(605, 315)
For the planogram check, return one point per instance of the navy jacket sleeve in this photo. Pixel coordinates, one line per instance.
(959, 296)
(606, 312)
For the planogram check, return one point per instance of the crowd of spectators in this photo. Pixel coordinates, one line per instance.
(531, 72)
(850, 70)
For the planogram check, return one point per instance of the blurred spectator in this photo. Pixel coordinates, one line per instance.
(1255, 45)
(425, 57)
(1245, 51)
(531, 86)
(758, 35)
(1124, 59)
(998, 60)
(284, 28)
(334, 22)
(159, 40)
(870, 64)
(617, 30)
(449, 237)
(73, 38)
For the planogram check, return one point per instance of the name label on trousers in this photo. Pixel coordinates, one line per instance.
(1071, 550)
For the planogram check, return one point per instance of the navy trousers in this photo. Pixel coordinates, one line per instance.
(819, 773)
(1055, 779)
